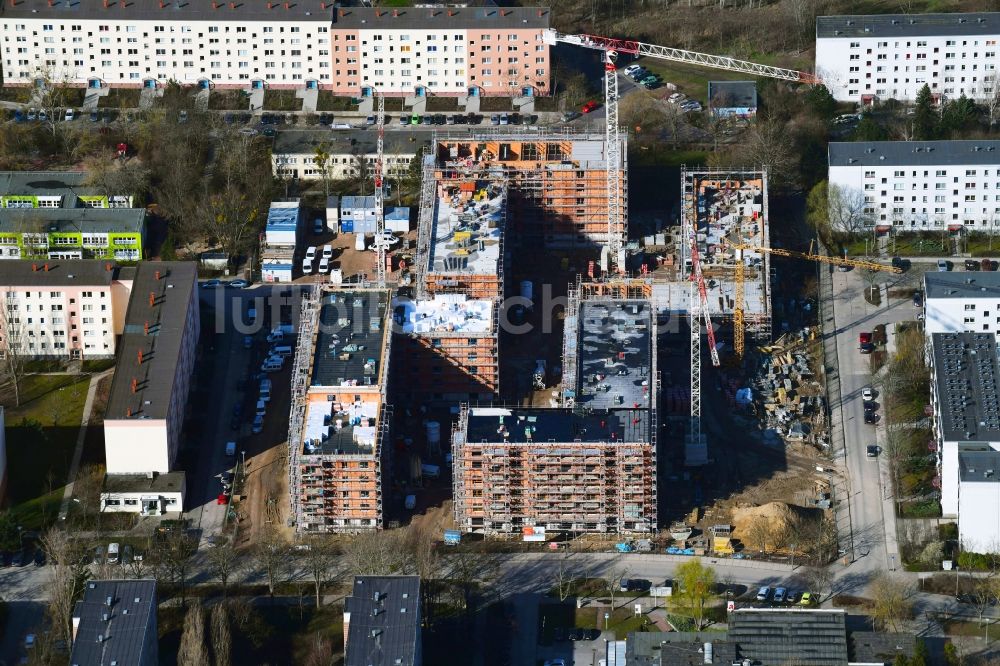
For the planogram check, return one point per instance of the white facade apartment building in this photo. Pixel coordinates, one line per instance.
(294, 153)
(875, 58)
(957, 302)
(920, 185)
(404, 51)
(131, 44)
(72, 310)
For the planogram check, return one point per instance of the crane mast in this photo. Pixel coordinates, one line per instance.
(380, 245)
(613, 151)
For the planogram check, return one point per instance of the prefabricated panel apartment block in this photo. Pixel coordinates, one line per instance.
(588, 466)
(557, 182)
(339, 421)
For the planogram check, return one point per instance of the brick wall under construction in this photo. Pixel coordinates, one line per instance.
(441, 367)
(557, 196)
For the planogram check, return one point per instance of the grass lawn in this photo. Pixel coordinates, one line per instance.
(690, 80)
(912, 245)
(120, 98)
(226, 100)
(442, 104)
(622, 621)
(327, 101)
(41, 435)
(281, 100)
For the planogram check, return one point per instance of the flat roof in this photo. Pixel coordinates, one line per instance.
(174, 293)
(441, 17)
(444, 314)
(967, 378)
(913, 153)
(169, 482)
(385, 621)
(354, 201)
(678, 648)
(467, 237)
(173, 10)
(340, 427)
(65, 184)
(556, 425)
(72, 220)
(350, 142)
(351, 338)
(57, 272)
(615, 353)
(732, 94)
(979, 466)
(121, 637)
(283, 215)
(962, 284)
(908, 25)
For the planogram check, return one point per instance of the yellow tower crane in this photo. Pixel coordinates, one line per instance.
(738, 325)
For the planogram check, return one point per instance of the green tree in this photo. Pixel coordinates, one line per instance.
(900, 660)
(921, 655)
(9, 537)
(951, 656)
(869, 130)
(925, 118)
(818, 212)
(696, 583)
(958, 115)
(819, 100)
(322, 155)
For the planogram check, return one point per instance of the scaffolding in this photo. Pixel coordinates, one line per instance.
(425, 224)
(304, 348)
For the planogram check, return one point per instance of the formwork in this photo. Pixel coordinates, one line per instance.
(338, 429)
(727, 208)
(557, 179)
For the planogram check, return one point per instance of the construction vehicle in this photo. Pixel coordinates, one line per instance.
(738, 325)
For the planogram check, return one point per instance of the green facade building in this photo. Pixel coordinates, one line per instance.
(72, 233)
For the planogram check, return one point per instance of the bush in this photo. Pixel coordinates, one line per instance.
(98, 365)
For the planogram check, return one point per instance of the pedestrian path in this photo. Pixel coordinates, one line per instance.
(81, 436)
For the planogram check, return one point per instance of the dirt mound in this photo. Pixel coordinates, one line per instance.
(778, 516)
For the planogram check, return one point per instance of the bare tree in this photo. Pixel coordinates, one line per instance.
(172, 558)
(847, 209)
(758, 533)
(892, 604)
(819, 580)
(988, 95)
(113, 178)
(272, 556)
(51, 94)
(12, 344)
(421, 543)
(193, 650)
(320, 651)
(376, 553)
(222, 637)
(67, 577)
(320, 560)
(613, 578)
(224, 562)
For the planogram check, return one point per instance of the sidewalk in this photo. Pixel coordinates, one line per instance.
(74, 467)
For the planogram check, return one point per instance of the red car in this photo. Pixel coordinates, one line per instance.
(589, 106)
(223, 498)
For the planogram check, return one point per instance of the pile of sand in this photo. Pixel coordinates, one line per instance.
(778, 515)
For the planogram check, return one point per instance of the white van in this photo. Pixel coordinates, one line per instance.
(324, 264)
(327, 251)
(307, 265)
(282, 350)
(261, 408)
(112, 553)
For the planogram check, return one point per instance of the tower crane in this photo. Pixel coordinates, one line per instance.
(380, 244)
(611, 47)
(738, 310)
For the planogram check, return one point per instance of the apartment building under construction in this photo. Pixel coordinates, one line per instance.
(339, 422)
(558, 188)
(587, 466)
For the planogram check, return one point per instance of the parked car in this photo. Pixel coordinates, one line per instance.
(325, 119)
(19, 558)
(943, 265)
(70, 115)
(763, 593)
(428, 120)
(39, 558)
(900, 263)
(238, 284)
(504, 119)
(495, 119)
(32, 114)
(570, 115)
(867, 393)
(779, 595)
(870, 405)
(872, 451)
(632, 68)
(258, 425)
(807, 599)
(211, 284)
(414, 119)
(971, 265)
(18, 116)
(638, 74)
(588, 107)
(404, 120)
(369, 121)
(990, 264)
(918, 299)
(319, 226)
(113, 550)
(450, 120)
(42, 115)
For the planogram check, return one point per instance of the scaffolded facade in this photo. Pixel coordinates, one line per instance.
(338, 430)
(589, 465)
(557, 181)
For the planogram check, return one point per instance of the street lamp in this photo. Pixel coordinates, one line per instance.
(607, 616)
(243, 454)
